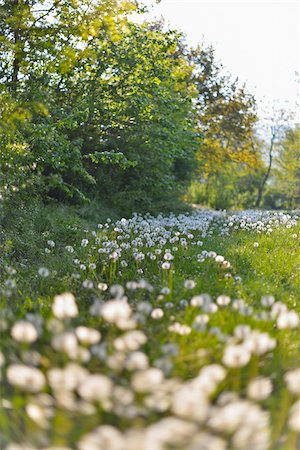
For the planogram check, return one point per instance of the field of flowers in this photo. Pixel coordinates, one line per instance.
(155, 333)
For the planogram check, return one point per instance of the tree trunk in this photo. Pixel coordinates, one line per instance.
(17, 52)
(267, 174)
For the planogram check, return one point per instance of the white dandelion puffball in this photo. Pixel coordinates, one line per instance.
(23, 331)
(157, 313)
(289, 319)
(64, 306)
(259, 389)
(29, 379)
(87, 335)
(292, 379)
(147, 380)
(95, 388)
(236, 356)
(115, 310)
(223, 300)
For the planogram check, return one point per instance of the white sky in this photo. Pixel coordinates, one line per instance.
(257, 41)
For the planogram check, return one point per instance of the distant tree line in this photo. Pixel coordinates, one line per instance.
(93, 105)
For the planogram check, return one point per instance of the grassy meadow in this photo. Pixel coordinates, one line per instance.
(163, 332)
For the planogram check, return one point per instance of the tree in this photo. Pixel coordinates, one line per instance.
(140, 105)
(274, 126)
(44, 45)
(93, 103)
(287, 169)
(226, 118)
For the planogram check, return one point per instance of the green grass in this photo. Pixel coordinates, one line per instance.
(271, 268)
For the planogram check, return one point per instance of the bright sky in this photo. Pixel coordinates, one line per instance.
(257, 41)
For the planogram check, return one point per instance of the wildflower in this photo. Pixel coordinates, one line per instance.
(130, 341)
(87, 284)
(87, 335)
(180, 328)
(189, 284)
(288, 319)
(95, 388)
(259, 343)
(267, 300)
(147, 380)
(29, 379)
(207, 441)
(186, 404)
(242, 331)
(14, 446)
(201, 319)
(84, 242)
(64, 306)
(236, 356)
(168, 257)
(214, 372)
(277, 309)
(292, 379)
(102, 286)
(65, 342)
(157, 313)
(43, 272)
(252, 436)
(165, 291)
(117, 291)
(38, 414)
(23, 331)
(122, 395)
(114, 256)
(256, 244)
(183, 303)
(10, 270)
(223, 300)
(68, 378)
(144, 307)
(200, 300)
(239, 303)
(166, 265)
(51, 243)
(10, 284)
(226, 264)
(210, 308)
(259, 389)
(136, 361)
(115, 310)
(103, 437)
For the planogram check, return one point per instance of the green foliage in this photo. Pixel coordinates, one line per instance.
(94, 105)
(233, 186)
(284, 192)
(226, 115)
